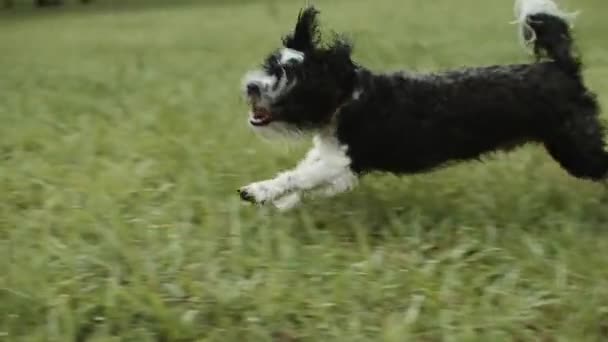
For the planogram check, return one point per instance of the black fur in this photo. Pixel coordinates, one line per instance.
(325, 79)
(305, 36)
(553, 40)
(408, 123)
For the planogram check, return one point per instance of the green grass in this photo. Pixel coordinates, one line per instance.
(124, 138)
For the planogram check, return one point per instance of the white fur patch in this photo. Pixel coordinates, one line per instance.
(288, 55)
(288, 202)
(268, 83)
(325, 171)
(526, 8)
(260, 78)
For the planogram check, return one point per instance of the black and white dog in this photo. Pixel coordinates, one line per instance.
(408, 123)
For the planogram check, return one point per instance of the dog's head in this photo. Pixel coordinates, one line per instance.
(301, 85)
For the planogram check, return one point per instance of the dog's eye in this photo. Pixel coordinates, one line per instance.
(271, 61)
(292, 61)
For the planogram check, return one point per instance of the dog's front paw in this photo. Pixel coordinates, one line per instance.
(257, 193)
(245, 195)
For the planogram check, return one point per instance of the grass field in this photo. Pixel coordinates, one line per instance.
(124, 138)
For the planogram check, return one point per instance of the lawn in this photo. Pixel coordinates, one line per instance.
(123, 141)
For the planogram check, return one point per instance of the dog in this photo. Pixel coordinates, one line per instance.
(406, 123)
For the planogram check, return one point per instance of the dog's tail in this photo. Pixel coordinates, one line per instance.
(546, 29)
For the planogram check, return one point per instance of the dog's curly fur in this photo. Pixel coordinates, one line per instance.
(407, 123)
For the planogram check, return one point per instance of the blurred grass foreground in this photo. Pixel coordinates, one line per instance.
(124, 138)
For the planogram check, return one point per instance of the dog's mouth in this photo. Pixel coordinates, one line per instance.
(260, 116)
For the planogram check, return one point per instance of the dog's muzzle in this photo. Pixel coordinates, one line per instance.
(259, 115)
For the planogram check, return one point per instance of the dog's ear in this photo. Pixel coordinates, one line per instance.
(337, 56)
(305, 36)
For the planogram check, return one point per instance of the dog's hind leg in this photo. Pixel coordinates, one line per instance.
(579, 147)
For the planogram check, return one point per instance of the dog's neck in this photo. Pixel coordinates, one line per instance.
(351, 95)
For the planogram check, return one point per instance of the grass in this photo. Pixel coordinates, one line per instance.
(123, 140)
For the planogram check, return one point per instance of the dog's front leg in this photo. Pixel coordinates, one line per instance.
(344, 182)
(324, 167)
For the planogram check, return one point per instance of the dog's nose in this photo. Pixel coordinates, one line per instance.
(253, 89)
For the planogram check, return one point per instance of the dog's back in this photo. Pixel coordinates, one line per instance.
(412, 123)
